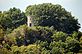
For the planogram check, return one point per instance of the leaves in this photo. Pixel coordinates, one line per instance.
(55, 31)
(48, 14)
(12, 18)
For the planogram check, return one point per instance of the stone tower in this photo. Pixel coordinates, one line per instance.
(29, 21)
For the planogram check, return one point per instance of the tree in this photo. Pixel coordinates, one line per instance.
(4, 51)
(30, 49)
(57, 47)
(1, 34)
(25, 35)
(72, 44)
(12, 18)
(18, 17)
(59, 36)
(48, 14)
(5, 21)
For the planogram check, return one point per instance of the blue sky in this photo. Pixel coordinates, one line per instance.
(73, 6)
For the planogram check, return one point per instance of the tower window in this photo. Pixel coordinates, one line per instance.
(30, 24)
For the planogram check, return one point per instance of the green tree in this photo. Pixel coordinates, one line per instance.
(57, 47)
(72, 44)
(18, 18)
(56, 50)
(48, 14)
(5, 21)
(25, 35)
(12, 18)
(30, 49)
(4, 51)
(59, 36)
(2, 33)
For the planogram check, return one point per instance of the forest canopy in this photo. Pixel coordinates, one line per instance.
(55, 31)
(48, 14)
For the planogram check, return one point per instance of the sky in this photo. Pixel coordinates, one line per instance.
(73, 6)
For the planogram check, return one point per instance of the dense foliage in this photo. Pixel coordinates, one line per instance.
(48, 14)
(40, 40)
(12, 18)
(55, 31)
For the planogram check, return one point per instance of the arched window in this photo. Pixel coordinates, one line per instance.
(30, 24)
